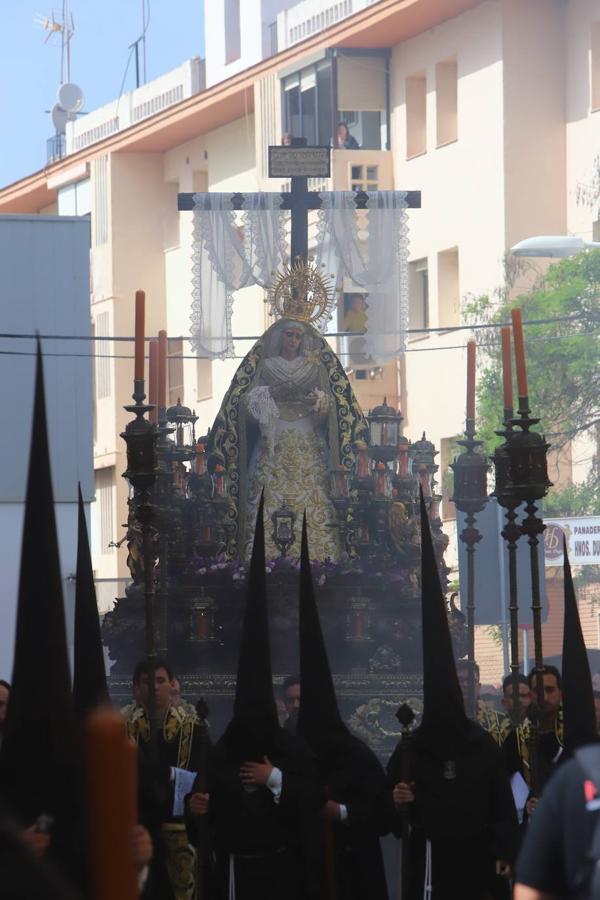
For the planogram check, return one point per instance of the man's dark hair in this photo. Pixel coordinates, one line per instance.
(463, 665)
(546, 670)
(288, 682)
(142, 667)
(5, 684)
(508, 679)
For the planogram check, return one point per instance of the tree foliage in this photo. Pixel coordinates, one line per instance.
(563, 368)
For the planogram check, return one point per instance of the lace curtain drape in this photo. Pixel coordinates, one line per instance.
(364, 251)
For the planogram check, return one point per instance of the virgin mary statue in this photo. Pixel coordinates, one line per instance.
(289, 418)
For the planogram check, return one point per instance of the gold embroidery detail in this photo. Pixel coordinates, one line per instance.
(178, 722)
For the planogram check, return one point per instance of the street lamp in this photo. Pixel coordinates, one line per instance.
(553, 246)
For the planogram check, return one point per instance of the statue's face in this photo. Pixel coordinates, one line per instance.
(290, 341)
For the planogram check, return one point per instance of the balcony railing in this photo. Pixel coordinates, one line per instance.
(56, 148)
(311, 16)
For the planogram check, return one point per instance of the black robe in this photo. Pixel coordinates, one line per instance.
(22, 875)
(356, 779)
(274, 844)
(465, 809)
(550, 754)
(157, 790)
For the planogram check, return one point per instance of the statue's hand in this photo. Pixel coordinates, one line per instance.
(319, 401)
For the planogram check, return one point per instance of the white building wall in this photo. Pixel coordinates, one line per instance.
(220, 24)
(462, 185)
(45, 272)
(134, 106)
(582, 120)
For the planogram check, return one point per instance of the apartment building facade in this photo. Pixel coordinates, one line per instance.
(488, 107)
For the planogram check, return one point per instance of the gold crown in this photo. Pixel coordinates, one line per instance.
(302, 292)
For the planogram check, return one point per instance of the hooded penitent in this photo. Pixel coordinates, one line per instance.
(39, 737)
(89, 674)
(319, 719)
(444, 721)
(40, 757)
(348, 770)
(578, 697)
(255, 721)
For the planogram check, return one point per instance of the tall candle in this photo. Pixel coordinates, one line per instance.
(507, 368)
(202, 625)
(471, 380)
(162, 369)
(403, 460)
(517, 321)
(140, 303)
(200, 459)
(363, 460)
(380, 479)
(112, 815)
(153, 379)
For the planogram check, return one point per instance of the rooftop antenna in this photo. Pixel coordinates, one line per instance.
(66, 28)
(70, 97)
(136, 45)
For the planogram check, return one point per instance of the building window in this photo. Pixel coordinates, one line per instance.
(364, 178)
(308, 111)
(446, 90)
(75, 199)
(102, 350)
(416, 115)
(418, 314)
(233, 33)
(448, 288)
(352, 87)
(175, 371)
(362, 98)
(105, 487)
(595, 65)
(204, 388)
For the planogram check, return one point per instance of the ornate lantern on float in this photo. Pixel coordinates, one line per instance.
(424, 465)
(405, 485)
(384, 430)
(383, 482)
(202, 618)
(283, 533)
(220, 482)
(358, 619)
(341, 483)
(184, 421)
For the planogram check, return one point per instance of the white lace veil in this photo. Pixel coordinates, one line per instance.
(272, 338)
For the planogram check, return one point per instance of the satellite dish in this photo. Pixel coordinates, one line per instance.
(60, 117)
(70, 97)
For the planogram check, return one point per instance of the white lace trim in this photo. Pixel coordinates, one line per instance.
(232, 250)
(264, 409)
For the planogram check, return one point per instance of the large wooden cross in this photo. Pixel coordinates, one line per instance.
(305, 161)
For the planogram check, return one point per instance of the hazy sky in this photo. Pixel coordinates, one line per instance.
(104, 29)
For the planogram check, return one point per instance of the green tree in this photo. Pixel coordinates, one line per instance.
(563, 368)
